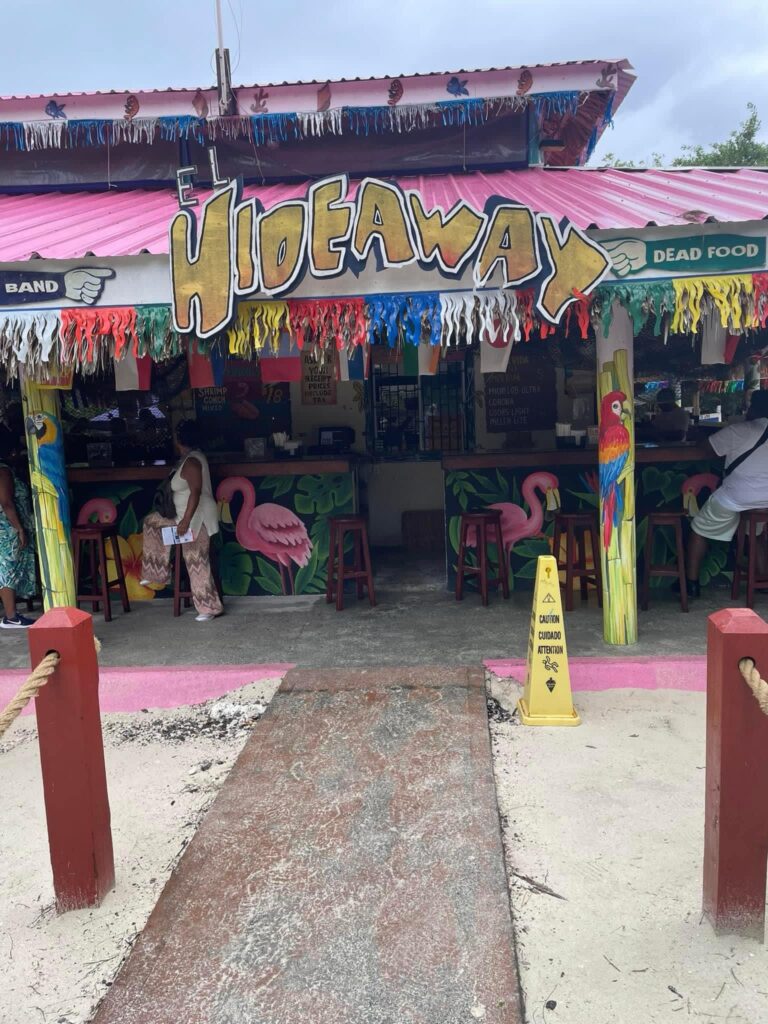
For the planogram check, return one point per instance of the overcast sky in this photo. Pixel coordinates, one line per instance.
(698, 61)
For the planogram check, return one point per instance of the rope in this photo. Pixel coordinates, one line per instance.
(29, 689)
(755, 682)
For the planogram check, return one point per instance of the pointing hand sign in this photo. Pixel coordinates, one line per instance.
(86, 285)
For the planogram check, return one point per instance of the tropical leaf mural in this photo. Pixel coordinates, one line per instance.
(312, 497)
(658, 487)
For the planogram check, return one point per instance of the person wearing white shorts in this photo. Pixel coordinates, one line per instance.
(745, 487)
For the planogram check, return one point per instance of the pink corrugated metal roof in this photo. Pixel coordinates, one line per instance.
(70, 225)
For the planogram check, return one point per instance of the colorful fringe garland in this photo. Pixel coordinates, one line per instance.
(640, 299)
(258, 324)
(274, 128)
(89, 339)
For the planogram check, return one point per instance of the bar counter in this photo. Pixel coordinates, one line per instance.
(522, 482)
(267, 467)
(543, 457)
(261, 549)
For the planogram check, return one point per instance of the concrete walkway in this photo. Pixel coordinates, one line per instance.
(349, 872)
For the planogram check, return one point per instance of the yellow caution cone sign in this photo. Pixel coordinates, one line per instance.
(547, 697)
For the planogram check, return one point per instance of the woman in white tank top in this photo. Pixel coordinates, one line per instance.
(196, 510)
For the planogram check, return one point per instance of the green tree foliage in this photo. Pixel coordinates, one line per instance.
(741, 149)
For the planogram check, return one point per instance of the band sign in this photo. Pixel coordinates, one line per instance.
(241, 250)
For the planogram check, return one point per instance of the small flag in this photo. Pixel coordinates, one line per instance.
(429, 359)
(206, 369)
(133, 373)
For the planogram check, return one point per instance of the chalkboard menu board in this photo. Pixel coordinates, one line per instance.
(524, 397)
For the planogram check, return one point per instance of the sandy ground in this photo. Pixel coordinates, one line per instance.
(163, 770)
(610, 817)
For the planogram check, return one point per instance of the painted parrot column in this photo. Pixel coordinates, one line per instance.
(616, 456)
(50, 494)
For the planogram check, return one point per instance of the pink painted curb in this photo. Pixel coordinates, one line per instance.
(132, 689)
(621, 673)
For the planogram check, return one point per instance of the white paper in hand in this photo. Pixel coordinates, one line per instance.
(172, 536)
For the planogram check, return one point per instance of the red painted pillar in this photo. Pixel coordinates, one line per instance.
(72, 760)
(736, 822)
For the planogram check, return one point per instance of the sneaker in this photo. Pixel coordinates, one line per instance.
(20, 622)
(204, 618)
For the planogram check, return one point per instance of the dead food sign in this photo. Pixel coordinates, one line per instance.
(318, 381)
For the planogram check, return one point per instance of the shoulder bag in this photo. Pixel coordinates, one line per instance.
(745, 455)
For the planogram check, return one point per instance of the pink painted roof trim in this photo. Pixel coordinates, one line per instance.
(69, 226)
(621, 63)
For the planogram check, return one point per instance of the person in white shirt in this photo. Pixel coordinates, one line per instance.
(744, 487)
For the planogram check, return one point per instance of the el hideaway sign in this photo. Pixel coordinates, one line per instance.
(238, 250)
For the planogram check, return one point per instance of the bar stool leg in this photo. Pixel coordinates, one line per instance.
(77, 568)
(570, 554)
(463, 530)
(593, 535)
(104, 580)
(583, 563)
(358, 555)
(95, 605)
(739, 565)
(329, 595)
(681, 565)
(120, 574)
(483, 552)
(503, 561)
(176, 580)
(340, 534)
(751, 563)
(557, 541)
(645, 592)
(368, 570)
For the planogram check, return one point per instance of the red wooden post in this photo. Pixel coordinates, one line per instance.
(736, 816)
(72, 760)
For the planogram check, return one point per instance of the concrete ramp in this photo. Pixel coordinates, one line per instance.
(350, 871)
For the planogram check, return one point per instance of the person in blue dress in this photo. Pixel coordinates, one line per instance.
(17, 543)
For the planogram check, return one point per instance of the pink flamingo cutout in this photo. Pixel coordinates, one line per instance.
(515, 524)
(272, 530)
(104, 510)
(692, 488)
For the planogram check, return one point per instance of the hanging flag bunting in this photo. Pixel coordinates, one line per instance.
(205, 363)
(429, 359)
(283, 364)
(133, 373)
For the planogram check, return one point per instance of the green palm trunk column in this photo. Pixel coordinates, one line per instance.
(615, 372)
(50, 495)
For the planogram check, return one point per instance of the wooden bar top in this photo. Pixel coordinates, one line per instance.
(543, 458)
(269, 467)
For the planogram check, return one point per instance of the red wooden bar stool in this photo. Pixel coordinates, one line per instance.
(486, 527)
(749, 522)
(360, 570)
(91, 539)
(182, 590)
(660, 520)
(576, 527)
